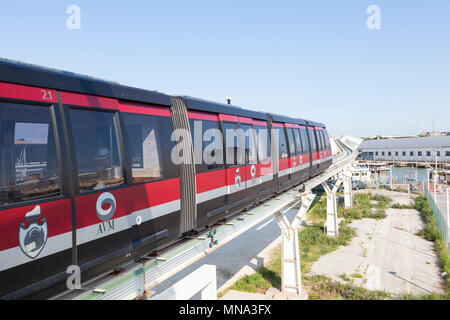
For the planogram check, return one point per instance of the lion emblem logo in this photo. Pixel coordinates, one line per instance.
(33, 233)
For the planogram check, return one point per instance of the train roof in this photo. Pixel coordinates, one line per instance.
(33, 75)
(280, 118)
(209, 106)
(39, 76)
(315, 124)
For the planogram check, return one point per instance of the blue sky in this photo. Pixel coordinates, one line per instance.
(311, 59)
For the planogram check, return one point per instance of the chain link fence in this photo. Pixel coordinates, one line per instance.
(440, 217)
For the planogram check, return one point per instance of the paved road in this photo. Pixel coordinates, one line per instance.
(387, 255)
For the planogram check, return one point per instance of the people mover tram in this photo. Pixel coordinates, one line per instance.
(88, 177)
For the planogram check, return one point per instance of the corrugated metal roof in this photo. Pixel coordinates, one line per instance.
(428, 142)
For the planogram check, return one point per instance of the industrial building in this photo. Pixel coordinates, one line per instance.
(418, 150)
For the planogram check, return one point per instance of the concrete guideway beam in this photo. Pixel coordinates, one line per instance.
(291, 282)
(332, 227)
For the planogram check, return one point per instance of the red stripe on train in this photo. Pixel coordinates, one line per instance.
(277, 125)
(16, 91)
(142, 108)
(88, 100)
(128, 200)
(203, 116)
(211, 180)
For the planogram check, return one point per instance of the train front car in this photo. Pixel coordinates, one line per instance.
(86, 177)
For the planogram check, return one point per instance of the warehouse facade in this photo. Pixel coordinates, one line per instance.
(424, 150)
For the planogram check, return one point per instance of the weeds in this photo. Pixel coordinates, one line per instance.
(314, 243)
(431, 233)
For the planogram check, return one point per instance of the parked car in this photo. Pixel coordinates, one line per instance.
(358, 185)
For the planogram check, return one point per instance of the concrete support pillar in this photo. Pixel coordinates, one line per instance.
(332, 226)
(348, 188)
(291, 278)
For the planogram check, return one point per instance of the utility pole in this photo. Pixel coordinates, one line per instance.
(436, 155)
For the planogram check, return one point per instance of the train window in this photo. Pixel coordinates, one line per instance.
(298, 142)
(327, 138)
(99, 161)
(313, 140)
(305, 141)
(209, 155)
(322, 140)
(282, 143)
(319, 141)
(322, 137)
(234, 142)
(250, 144)
(264, 145)
(28, 166)
(144, 136)
(290, 135)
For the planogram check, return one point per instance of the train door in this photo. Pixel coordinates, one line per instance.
(298, 165)
(292, 155)
(283, 155)
(313, 150)
(322, 148)
(35, 216)
(102, 203)
(211, 176)
(235, 164)
(155, 215)
(265, 166)
(251, 160)
(319, 148)
(305, 163)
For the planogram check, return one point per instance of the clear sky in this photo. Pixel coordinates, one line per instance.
(311, 59)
